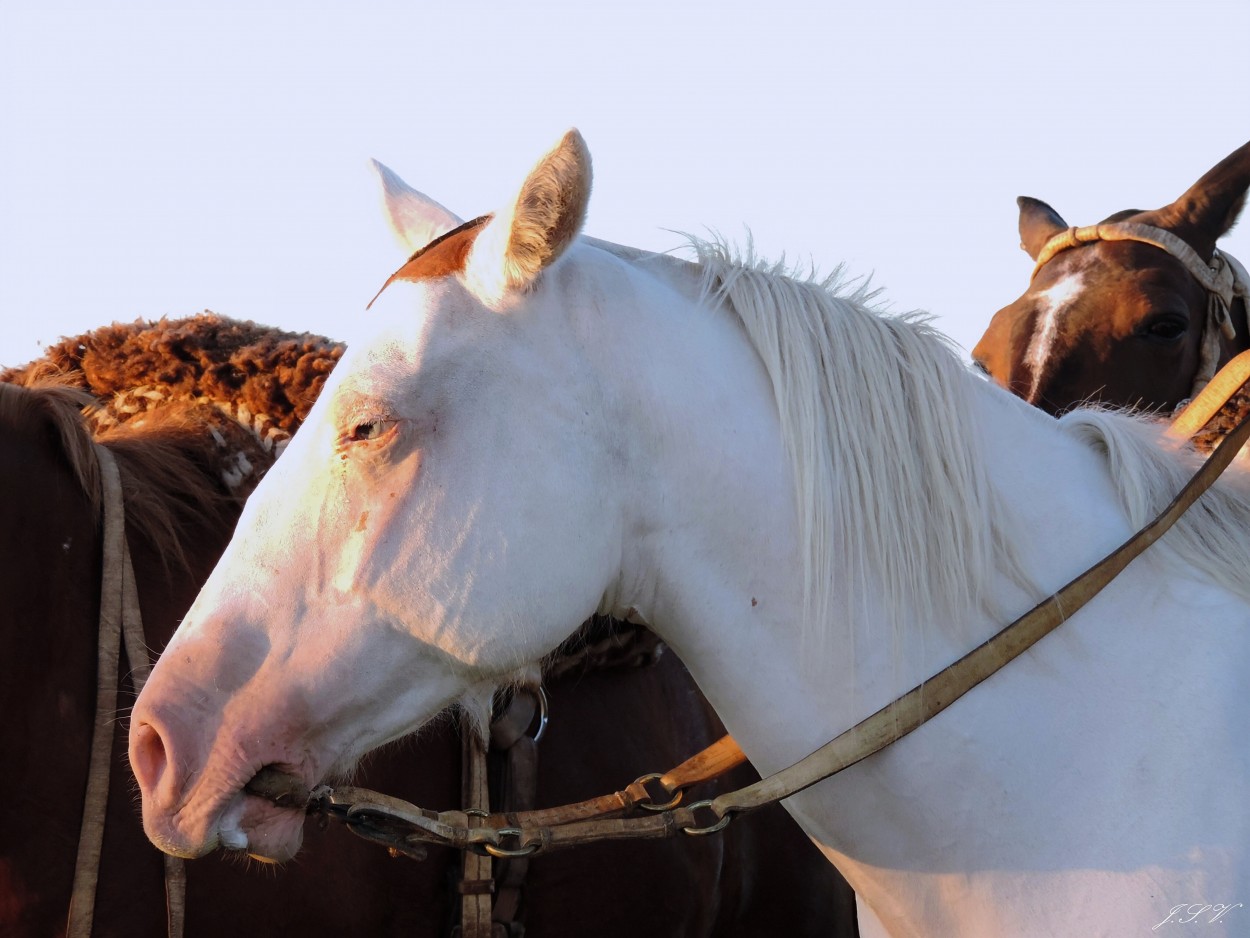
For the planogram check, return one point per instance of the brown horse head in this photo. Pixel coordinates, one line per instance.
(1119, 322)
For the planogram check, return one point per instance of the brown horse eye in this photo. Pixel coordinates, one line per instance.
(1169, 329)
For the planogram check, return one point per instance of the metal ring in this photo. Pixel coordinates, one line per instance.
(475, 812)
(718, 826)
(500, 853)
(503, 853)
(651, 805)
(543, 715)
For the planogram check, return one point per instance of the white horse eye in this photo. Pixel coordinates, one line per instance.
(370, 430)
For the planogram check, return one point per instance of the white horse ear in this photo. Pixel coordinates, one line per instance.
(545, 218)
(415, 219)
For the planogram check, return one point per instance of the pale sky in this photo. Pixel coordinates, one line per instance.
(158, 159)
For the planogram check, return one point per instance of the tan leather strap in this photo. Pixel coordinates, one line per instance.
(477, 882)
(1198, 412)
(119, 618)
(936, 694)
(140, 662)
(487, 906)
(91, 832)
(1216, 277)
(722, 756)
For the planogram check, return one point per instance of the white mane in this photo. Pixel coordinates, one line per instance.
(1213, 537)
(887, 468)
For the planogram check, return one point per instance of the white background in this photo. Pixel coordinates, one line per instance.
(163, 158)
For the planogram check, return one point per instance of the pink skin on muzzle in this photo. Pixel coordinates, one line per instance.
(193, 751)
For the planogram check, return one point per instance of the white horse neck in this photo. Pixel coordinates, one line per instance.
(1040, 785)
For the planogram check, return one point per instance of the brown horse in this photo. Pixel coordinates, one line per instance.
(195, 412)
(1138, 311)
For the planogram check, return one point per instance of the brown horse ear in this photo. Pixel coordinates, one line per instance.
(1210, 207)
(1038, 224)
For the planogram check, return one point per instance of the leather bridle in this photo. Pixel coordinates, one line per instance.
(1224, 280)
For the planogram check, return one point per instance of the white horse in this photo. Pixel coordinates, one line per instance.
(817, 505)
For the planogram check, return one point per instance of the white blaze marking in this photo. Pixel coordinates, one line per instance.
(1053, 302)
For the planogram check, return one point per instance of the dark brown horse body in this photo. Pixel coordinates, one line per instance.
(1120, 322)
(609, 724)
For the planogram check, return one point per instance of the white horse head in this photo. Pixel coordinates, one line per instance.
(816, 505)
(464, 480)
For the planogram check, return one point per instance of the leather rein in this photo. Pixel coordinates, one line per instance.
(405, 828)
(120, 620)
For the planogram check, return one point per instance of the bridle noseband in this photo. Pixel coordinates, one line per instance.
(1224, 279)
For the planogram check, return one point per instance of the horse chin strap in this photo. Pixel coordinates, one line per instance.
(1224, 279)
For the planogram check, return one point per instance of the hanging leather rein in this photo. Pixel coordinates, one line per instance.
(119, 620)
(404, 827)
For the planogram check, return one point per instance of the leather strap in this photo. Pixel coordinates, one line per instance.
(1218, 392)
(91, 832)
(518, 784)
(1216, 277)
(933, 696)
(722, 756)
(119, 618)
(477, 884)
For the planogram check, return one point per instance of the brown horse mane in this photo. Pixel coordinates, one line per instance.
(168, 483)
(59, 406)
(190, 408)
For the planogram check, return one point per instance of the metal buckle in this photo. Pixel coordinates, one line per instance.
(507, 853)
(720, 825)
(650, 805)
